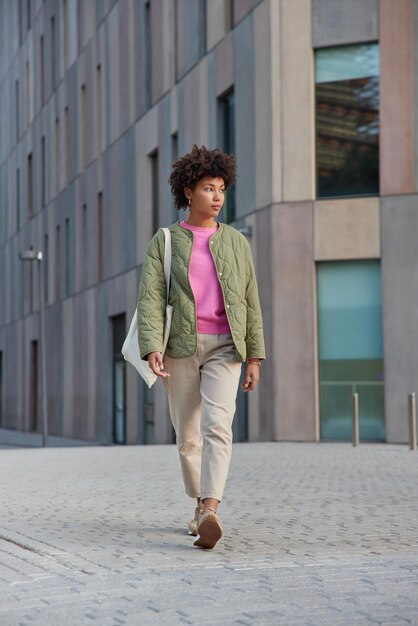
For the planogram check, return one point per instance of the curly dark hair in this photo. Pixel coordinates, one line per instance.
(192, 167)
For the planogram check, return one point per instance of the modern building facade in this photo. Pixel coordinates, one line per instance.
(317, 98)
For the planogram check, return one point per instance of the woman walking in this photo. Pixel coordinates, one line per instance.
(216, 326)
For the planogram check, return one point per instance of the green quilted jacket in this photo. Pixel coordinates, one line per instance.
(232, 256)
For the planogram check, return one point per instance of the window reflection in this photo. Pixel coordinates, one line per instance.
(347, 121)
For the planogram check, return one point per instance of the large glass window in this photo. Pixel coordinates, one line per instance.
(347, 120)
(350, 348)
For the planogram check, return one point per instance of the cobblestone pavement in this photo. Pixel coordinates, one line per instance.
(315, 535)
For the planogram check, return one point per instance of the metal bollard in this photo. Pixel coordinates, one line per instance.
(356, 430)
(412, 421)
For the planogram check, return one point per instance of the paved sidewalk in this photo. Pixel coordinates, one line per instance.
(315, 535)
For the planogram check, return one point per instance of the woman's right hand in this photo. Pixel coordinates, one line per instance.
(155, 361)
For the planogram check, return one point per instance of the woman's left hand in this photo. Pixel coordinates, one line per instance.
(252, 376)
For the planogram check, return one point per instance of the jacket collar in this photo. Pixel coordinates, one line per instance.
(177, 228)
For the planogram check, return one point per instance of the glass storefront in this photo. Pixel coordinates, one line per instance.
(350, 348)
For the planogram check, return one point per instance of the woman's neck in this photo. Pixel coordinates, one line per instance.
(194, 220)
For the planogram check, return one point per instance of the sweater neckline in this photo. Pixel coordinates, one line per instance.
(199, 229)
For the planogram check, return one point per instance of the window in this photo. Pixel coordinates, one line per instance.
(149, 414)
(67, 256)
(46, 268)
(347, 120)
(99, 115)
(119, 379)
(350, 348)
(20, 23)
(174, 155)
(42, 69)
(30, 186)
(53, 52)
(202, 27)
(65, 33)
(31, 281)
(43, 172)
(155, 201)
(29, 12)
(229, 15)
(33, 386)
(83, 128)
(66, 145)
(174, 146)
(146, 52)
(57, 264)
(28, 94)
(190, 24)
(17, 109)
(18, 198)
(84, 243)
(57, 155)
(100, 237)
(227, 141)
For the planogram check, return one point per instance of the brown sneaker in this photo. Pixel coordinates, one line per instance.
(209, 529)
(193, 522)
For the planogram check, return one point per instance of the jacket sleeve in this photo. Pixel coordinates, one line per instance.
(152, 299)
(254, 338)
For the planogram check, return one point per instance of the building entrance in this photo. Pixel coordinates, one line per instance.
(350, 349)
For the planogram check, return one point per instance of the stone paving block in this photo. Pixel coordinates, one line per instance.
(315, 535)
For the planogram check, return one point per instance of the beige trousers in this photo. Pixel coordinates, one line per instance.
(202, 392)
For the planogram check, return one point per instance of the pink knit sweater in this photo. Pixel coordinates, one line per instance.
(210, 307)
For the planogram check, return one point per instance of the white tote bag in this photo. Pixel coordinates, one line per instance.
(130, 348)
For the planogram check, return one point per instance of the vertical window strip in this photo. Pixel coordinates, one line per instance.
(29, 185)
(65, 33)
(17, 110)
(155, 200)
(57, 263)
(42, 69)
(20, 22)
(83, 128)
(29, 13)
(18, 198)
(174, 155)
(84, 244)
(99, 107)
(202, 27)
(147, 54)
(227, 140)
(100, 236)
(67, 256)
(46, 268)
(43, 172)
(53, 53)
(28, 94)
(57, 155)
(229, 15)
(66, 145)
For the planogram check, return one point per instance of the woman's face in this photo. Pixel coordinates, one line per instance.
(207, 197)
